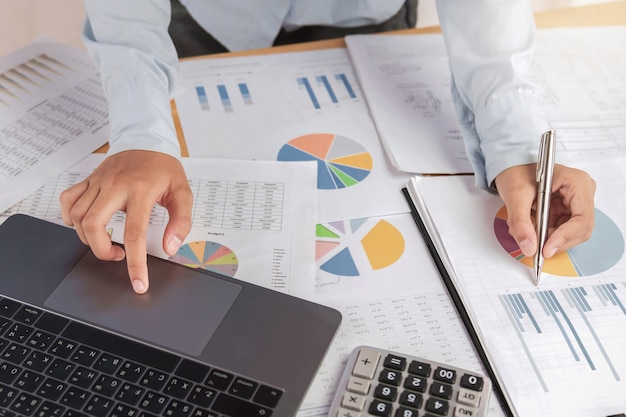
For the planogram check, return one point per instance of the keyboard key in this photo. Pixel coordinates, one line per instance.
(236, 407)
(8, 372)
(51, 323)
(268, 396)
(177, 409)
(60, 369)
(107, 363)
(192, 371)
(243, 388)
(75, 397)
(99, 406)
(153, 402)
(202, 396)
(83, 377)
(129, 394)
(25, 404)
(8, 307)
(178, 388)
(50, 409)
(219, 380)
(27, 314)
(51, 389)
(153, 379)
(28, 381)
(131, 371)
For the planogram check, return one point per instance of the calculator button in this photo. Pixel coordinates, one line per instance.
(468, 397)
(415, 383)
(411, 399)
(419, 368)
(380, 408)
(462, 411)
(366, 363)
(390, 377)
(441, 390)
(353, 401)
(472, 382)
(385, 392)
(347, 413)
(406, 412)
(436, 406)
(358, 385)
(445, 375)
(395, 362)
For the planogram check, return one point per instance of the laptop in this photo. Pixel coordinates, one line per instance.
(76, 341)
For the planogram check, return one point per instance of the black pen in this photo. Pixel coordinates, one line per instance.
(545, 171)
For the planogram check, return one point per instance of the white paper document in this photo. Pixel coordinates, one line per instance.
(301, 106)
(406, 80)
(378, 272)
(252, 220)
(558, 349)
(53, 113)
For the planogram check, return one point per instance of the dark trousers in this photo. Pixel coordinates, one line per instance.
(191, 40)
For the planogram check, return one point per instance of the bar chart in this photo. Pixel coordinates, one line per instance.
(570, 331)
(327, 90)
(225, 97)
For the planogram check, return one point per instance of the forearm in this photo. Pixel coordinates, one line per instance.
(490, 45)
(137, 61)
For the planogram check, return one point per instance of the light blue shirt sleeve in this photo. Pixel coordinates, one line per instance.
(490, 47)
(130, 44)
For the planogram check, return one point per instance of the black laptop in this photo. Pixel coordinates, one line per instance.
(76, 341)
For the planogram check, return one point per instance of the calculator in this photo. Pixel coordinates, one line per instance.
(378, 382)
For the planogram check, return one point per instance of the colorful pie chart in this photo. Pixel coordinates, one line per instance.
(336, 248)
(598, 254)
(207, 255)
(342, 162)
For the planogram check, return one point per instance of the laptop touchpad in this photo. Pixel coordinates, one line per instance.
(181, 310)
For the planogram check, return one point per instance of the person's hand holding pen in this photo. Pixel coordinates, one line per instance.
(571, 218)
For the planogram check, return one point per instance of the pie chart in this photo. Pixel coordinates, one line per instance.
(350, 247)
(207, 255)
(341, 161)
(598, 254)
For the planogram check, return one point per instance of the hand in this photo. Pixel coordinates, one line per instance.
(571, 211)
(131, 181)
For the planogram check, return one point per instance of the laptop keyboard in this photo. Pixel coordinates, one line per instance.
(52, 366)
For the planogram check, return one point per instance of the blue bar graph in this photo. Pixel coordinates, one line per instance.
(303, 81)
(202, 98)
(346, 83)
(226, 103)
(245, 93)
(570, 315)
(324, 81)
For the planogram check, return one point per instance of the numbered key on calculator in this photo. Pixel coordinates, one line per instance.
(378, 382)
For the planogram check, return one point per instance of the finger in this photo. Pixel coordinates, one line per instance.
(574, 209)
(179, 206)
(93, 226)
(80, 208)
(566, 236)
(137, 218)
(68, 198)
(521, 228)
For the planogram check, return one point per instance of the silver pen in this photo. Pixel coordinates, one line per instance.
(545, 171)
